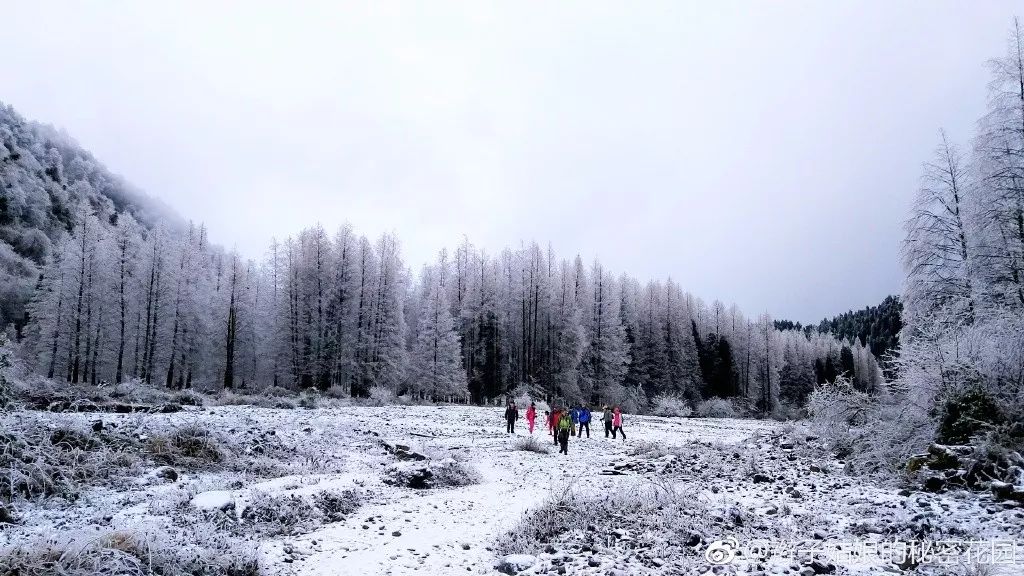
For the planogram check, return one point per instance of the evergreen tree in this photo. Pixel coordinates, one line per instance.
(436, 359)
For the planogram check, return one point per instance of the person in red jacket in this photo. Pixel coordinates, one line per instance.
(531, 416)
(617, 424)
(553, 423)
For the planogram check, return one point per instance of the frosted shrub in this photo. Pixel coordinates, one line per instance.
(263, 400)
(452, 473)
(280, 515)
(531, 444)
(291, 514)
(136, 391)
(335, 506)
(716, 408)
(874, 434)
(338, 393)
(657, 512)
(423, 475)
(381, 396)
(309, 399)
(671, 405)
(523, 402)
(648, 449)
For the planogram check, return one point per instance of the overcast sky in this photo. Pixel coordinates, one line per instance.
(758, 152)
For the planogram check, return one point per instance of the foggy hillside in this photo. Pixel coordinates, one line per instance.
(47, 183)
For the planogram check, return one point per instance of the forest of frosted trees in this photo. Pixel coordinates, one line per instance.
(123, 301)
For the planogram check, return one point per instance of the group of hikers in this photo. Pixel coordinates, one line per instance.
(564, 422)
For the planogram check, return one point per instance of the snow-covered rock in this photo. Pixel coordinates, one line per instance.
(214, 500)
(160, 475)
(516, 563)
(413, 474)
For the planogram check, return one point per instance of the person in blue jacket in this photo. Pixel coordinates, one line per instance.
(584, 418)
(575, 414)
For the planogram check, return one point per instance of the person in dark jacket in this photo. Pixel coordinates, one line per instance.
(511, 415)
(607, 419)
(584, 417)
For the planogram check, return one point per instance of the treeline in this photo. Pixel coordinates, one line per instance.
(122, 301)
(102, 285)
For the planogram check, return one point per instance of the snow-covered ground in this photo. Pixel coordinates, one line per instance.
(770, 475)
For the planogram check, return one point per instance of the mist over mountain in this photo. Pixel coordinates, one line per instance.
(47, 183)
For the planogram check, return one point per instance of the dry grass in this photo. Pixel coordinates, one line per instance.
(125, 553)
(43, 459)
(232, 398)
(190, 447)
(60, 455)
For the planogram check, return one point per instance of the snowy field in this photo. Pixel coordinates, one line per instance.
(733, 478)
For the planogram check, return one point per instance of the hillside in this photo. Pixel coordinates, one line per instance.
(47, 182)
(875, 327)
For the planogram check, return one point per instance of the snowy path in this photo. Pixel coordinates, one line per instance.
(447, 531)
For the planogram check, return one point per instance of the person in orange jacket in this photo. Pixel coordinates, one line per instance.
(553, 423)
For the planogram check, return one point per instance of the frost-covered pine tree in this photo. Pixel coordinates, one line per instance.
(606, 358)
(937, 249)
(682, 369)
(127, 240)
(999, 152)
(387, 360)
(436, 359)
(568, 338)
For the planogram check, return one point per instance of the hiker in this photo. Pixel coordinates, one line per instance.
(548, 422)
(617, 424)
(564, 429)
(511, 415)
(584, 417)
(531, 416)
(556, 415)
(607, 419)
(575, 414)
